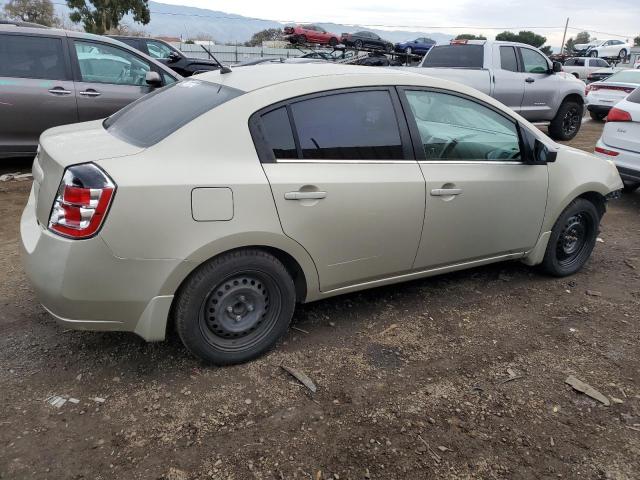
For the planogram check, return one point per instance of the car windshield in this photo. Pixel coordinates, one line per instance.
(629, 76)
(157, 115)
(455, 56)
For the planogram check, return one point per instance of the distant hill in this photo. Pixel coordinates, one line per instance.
(189, 22)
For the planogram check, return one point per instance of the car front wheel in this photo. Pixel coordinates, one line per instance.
(567, 121)
(358, 44)
(623, 54)
(594, 54)
(235, 307)
(572, 238)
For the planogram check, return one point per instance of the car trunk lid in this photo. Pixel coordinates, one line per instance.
(624, 135)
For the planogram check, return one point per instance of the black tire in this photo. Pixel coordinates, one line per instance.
(235, 307)
(594, 54)
(572, 239)
(302, 40)
(567, 121)
(598, 117)
(358, 44)
(622, 54)
(576, 75)
(333, 41)
(630, 187)
(388, 48)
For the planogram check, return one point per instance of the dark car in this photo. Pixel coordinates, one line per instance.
(419, 46)
(169, 55)
(378, 60)
(366, 40)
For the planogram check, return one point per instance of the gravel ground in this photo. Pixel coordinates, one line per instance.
(454, 377)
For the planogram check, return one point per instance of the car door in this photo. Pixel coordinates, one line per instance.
(36, 90)
(107, 78)
(345, 183)
(482, 202)
(540, 86)
(509, 84)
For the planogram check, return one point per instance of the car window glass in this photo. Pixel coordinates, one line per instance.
(455, 128)
(25, 56)
(101, 63)
(157, 115)
(508, 59)
(348, 126)
(580, 62)
(625, 76)
(570, 63)
(455, 56)
(158, 49)
(533, 61)
(278, 134)
(635, 96)
(601, 63)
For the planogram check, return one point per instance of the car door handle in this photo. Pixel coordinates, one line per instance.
(305, 195)
(90, 93)
(445, 192)
(59, 91)
(530, 80)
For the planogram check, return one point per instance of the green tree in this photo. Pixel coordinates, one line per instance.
(100, 16)
(582, 37)
(35, 11)
(525, 36)
(470, 36)
(267, 35)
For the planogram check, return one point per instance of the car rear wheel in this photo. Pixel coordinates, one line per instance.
(235, 307)
(388, 48)
(572, 238)
(594, 54)
(407, 50)
(302, 39)
(598, 117)
(357, 44)
(567, 121)
(623, 54)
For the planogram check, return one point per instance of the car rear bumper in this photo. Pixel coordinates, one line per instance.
(602, 109)
(627, 163)
(85, 287)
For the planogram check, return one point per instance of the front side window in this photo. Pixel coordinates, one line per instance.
(24, 56)
(453, 128)
(508, 59)
(101, 63)
(158, 49)
(533, 61)
(348, 126)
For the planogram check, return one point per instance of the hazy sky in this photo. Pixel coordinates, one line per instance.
(621, 17)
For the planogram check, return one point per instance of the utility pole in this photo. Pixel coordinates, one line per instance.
(566, 25)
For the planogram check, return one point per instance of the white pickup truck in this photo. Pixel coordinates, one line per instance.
(518, 75)
(582, 67)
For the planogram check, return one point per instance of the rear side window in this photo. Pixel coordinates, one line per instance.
(156, 116)
(348, 126)
(455, 56)
(25, 56)
(635, 96)
(508, 59)
(278, 133)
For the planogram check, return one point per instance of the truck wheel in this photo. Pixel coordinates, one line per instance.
(235, 307)
(598, 117)
(566, 123)
(572, 239)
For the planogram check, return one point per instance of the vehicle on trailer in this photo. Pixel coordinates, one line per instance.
(518, 75)
(366, 40)
(605, 48)
(303, 34)
(136, 222)
(620, 140)
(52, 77)
(376, 59)
(583, 67)
(169, 55)
(419, 46)
(603, 95)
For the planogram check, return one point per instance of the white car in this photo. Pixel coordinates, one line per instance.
(582, 67)
(620, 140)
(605, 48)
(602, 96)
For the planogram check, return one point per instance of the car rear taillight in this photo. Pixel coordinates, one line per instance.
(617, 115)
(82, 201)
(604, 151)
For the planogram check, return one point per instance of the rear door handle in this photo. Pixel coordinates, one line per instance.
(530, 80)
(59, 91)
(445, 192)
(305, 195)
(90, 93)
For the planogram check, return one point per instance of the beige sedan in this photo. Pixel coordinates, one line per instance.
(221, 201)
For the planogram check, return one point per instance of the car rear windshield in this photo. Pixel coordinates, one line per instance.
(157, 115)
(635, 96)
(455, 56)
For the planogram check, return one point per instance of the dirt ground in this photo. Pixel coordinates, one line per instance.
(455, 377)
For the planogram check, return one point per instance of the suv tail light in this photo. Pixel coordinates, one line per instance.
(82, 201)
(617, 115)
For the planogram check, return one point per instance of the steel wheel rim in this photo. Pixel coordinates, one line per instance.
(240, 311)
(571, 121)
(573, 241)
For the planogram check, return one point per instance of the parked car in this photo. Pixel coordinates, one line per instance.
(582, 67)
(620, 140)
(419, 46)
(302, 34)
(137, 220)
(53, 77)
(601, 74)
(518, 75)
(605, 48)
(169, 55)
(603, 95)
(370, 40)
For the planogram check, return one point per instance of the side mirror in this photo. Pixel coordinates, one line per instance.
(173, 57)
(542, 154)
(557, 67)
(535, 152)
(153, 79)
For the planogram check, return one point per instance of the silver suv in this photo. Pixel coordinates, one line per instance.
(51, 77)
